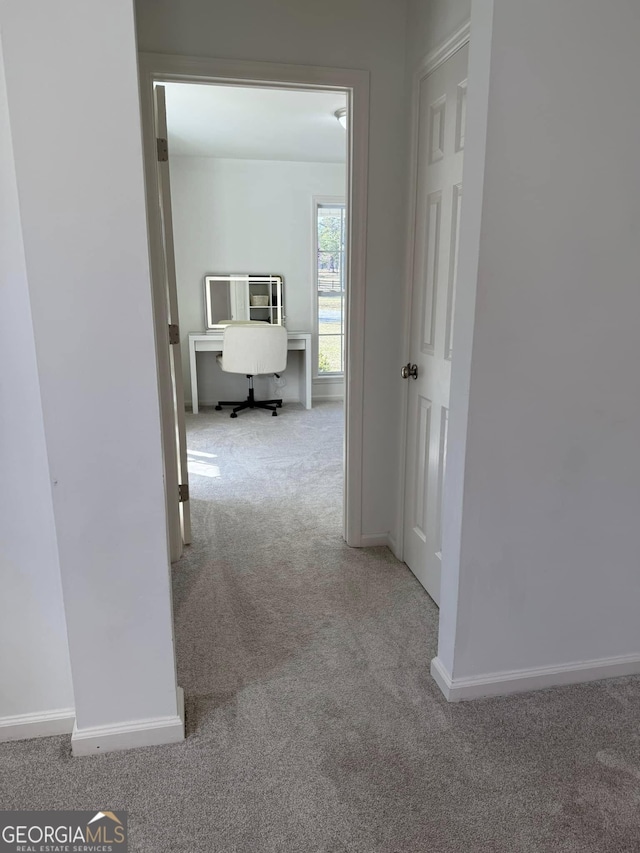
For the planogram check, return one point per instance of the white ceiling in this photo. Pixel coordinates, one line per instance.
(254, 123)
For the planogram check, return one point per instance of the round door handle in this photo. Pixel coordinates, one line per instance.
(409, 370)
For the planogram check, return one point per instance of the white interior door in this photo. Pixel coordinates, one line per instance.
(172, 398)
(439, 114)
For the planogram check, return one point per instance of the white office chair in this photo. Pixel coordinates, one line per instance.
(252, 349)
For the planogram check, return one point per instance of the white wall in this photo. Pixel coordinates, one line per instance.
(430, 23)
(34, 658)
(365, 34)
(83, 222)
(548, 571)
(246, 216)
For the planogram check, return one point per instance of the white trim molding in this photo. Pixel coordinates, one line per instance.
(44, 724)
(440, 54)
(329, 398)
(375, 540)
(394, 547)
(155, 732)
(159, 68)
(537, 678)
(318, 200)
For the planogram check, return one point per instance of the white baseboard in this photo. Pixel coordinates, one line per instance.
(519, 681)
(372, 540)
(394, 547)
(328, 398)
(154, 732)
(22, 726)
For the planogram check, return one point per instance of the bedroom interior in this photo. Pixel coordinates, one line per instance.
(246, 165)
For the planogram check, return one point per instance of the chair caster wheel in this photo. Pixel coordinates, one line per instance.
(233, 415)
(218, 408)
(274, 414)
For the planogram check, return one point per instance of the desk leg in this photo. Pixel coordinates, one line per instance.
(194, 377)
(307, 370)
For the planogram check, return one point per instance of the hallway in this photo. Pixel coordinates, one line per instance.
(269, 600)
(313, 725)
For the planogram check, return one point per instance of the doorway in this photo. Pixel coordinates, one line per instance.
(246, 164)
(353, 87)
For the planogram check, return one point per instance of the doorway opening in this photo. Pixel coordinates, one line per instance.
(252, 247)
(348, 92)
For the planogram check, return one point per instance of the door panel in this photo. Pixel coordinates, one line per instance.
(440, 114)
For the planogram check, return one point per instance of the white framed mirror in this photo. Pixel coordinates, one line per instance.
(243, 297)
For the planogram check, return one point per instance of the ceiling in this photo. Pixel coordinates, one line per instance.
(254, 123)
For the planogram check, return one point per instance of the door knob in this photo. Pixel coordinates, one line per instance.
(409, 370)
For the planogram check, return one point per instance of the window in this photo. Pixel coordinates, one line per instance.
(330, 223)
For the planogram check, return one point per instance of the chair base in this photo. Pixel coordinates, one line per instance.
(250, 403)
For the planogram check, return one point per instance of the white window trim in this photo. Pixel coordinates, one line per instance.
(316, 201)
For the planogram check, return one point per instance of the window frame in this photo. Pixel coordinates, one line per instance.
(317, 202)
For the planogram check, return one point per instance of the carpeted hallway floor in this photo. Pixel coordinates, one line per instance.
(313, 723)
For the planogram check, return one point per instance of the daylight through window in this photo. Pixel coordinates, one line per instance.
(330, 278)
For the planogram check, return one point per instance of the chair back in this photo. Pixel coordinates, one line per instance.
(254, 349)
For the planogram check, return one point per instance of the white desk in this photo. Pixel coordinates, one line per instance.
(200, 342)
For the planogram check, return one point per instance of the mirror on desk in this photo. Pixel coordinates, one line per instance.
(242, 297)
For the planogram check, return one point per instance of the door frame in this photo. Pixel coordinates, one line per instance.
(427, 65)
(159, 68)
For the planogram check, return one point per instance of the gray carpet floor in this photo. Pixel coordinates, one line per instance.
(313, 724)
